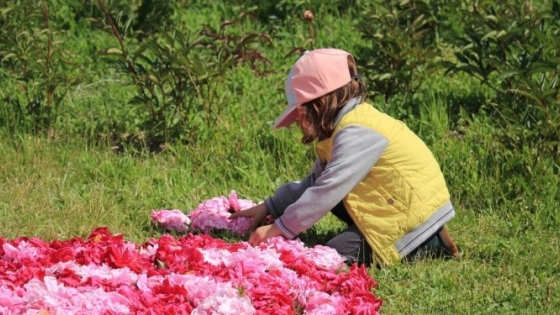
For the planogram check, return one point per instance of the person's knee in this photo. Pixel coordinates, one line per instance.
(351, 245)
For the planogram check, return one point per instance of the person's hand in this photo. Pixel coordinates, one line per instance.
(258, 213)
(264, 233)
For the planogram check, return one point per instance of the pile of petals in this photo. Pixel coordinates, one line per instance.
(190, 274)
(211, 215)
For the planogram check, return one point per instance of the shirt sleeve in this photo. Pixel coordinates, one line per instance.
(356, 149)
(288, 193)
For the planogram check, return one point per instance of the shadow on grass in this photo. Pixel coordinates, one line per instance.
(312, 237)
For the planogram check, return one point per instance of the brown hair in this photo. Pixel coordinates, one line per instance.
(321, 112)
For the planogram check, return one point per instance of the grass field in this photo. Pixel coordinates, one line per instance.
(74, 178)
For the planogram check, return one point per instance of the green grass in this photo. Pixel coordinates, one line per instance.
(501, 272)
(507, 199)
(57, 190)
(60, 190)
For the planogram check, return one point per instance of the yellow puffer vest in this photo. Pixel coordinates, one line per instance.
(401, 190)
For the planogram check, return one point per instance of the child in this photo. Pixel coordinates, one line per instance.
(372, 172)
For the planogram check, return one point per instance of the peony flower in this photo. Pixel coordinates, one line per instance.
(237, 204)
(173, 220)
(213, 214)
(52, 295)
(191, 274)
(225, 301)
(322, 303)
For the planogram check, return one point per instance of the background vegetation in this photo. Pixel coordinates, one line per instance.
(112, 108)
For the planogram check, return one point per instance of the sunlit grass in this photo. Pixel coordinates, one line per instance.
(58, 190)
(507, 217)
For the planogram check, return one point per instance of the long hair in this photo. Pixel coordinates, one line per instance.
(321, 112)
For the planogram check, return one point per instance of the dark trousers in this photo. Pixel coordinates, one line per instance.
(351, 244)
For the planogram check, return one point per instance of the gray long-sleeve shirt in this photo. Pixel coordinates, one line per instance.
(299, 205)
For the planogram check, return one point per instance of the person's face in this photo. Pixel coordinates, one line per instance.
(302, 123)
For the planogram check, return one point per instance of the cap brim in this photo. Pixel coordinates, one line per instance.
(287, 118)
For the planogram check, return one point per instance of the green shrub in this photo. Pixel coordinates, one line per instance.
(35, 64)
(514, 48)
(283, 9)
(402, 44)
(178, 77)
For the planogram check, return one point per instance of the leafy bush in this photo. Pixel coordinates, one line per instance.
(146, 17)
(514, 49)
(267, 10)
(31, 52)
(402, 40)
(178, 75)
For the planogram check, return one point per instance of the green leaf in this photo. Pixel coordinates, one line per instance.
(384, 76)
(139, 100)
(160, 264)
(8, 55)
(507, 74)
(527, 94)
(491, 34)
(491, 18)
(114, 51)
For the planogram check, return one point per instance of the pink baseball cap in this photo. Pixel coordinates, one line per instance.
(315, 73)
